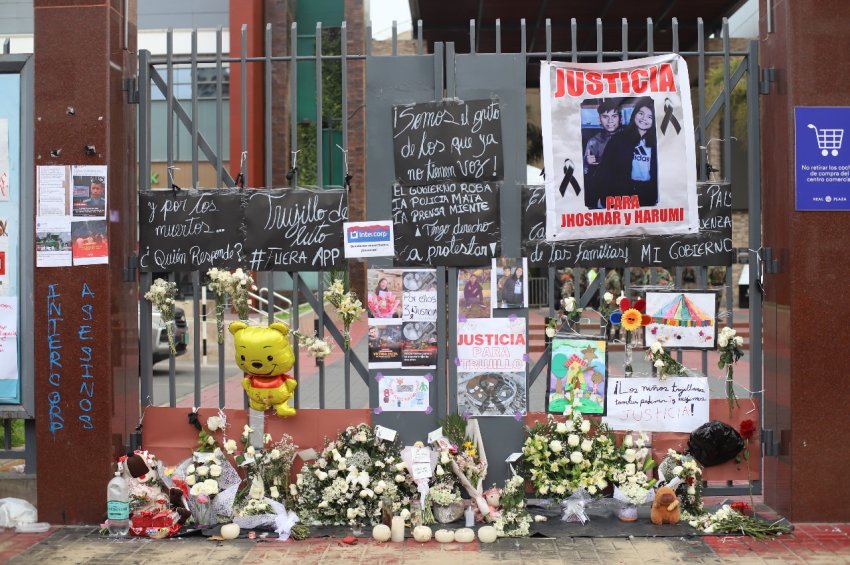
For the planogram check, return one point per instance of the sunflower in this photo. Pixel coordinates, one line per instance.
(631, 320)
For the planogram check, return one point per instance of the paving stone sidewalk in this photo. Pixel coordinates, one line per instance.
(810, 543)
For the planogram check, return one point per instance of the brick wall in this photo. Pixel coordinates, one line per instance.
(356, 23)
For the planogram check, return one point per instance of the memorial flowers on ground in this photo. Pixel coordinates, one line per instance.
(685, 475)
(727, 520)
(352, 478)
(514, 519)
(561, 457)
(162, 294)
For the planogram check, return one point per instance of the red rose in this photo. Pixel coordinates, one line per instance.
(691, 481)
(747, 429)
(742, 508)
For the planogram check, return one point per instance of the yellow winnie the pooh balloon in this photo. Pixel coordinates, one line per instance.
(264, 353)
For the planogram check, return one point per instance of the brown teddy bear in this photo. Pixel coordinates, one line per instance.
(665, 508)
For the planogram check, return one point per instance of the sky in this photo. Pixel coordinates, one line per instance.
(382, 14)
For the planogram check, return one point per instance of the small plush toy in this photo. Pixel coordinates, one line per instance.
(264, 353)
(665, 508)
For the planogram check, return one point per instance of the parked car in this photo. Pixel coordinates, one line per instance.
(159, 335)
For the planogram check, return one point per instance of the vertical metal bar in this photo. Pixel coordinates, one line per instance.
(7, 46)
(293, 97)
(419, 37)
(222, 401)
(196, 315)
(624, 34)
(195, 108)
(243, 142)
(344, 71)
(169, 103)
(472, 36)
(320, 317)
(172, 366)
(703, 138)
(219, 112)
(754, 205)
(145, 317)
(451, 88)
(395, 38)
(450, 326)
(7, 433)
(29, 446)
(319, 164)
(675, 35)
(522, 37)
(267, 102)
(442, 332)
(498, 36)
(650, 37)
(574, 39)
(296, 294)
(769, 15)
(548, 39)
(368, 38)
(727, 106)
(598, 40)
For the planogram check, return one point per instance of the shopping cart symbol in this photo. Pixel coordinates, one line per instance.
(829, 140)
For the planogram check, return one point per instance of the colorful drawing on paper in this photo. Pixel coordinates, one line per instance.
(404, 393)
(579, 365)
(681, 320)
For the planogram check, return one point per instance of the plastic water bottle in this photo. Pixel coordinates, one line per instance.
(118, 506)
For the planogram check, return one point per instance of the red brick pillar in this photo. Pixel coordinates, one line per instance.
(806, 387)
(250, 13)
(356, 84)
(87, 394)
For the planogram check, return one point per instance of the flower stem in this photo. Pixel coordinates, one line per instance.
(730, 390)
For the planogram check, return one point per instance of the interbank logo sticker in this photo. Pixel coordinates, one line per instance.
(368, 239)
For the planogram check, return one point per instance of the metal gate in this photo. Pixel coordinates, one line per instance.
(448, 71)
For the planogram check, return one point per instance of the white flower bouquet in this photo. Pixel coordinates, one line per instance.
(561, 457)
(727, 520)
(345, 300)
(514, 520)
(663, 362)
(352, 479)
(729, 345)
(162, 294)
(235, 285)
(684, 475)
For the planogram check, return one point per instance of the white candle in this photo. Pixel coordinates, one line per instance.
(397, 529)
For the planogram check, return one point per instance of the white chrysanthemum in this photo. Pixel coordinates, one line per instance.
(230, 446)
(215, 471)
(576, 457)
(573, 440)
(585, 426)
(214, 423)
(556, 446)
(561, 428)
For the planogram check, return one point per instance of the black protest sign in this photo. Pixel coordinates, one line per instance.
(711, 246)
(447, 224)
(294, 229)
(189, 230)
(457, 140)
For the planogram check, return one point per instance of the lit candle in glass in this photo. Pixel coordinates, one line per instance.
(397, 529)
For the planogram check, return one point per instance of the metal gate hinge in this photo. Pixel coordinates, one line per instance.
(768, 76)
(771, 264)
(131, 87)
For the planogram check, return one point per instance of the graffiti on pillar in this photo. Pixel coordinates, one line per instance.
(87, 379)
(54, 345)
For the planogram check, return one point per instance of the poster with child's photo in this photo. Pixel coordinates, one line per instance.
(509, 282)
(473, 293)
(88, 185)
(384, 293)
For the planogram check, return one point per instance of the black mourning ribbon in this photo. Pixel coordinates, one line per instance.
(347, 182)
(193, 420)
(669, 118)
(291, 174)
(569, 179)
(239, 181)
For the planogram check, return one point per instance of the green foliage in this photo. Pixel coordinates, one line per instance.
(454, 428)
(17, 432)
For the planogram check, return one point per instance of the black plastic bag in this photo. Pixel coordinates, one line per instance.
(714, 443)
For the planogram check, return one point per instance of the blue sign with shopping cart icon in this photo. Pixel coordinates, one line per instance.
(822, 161)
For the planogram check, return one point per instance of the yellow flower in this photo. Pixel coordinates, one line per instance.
(631, 320)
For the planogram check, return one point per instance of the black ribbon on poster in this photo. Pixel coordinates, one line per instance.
(451, 139)
(669, 118)
(294, 229)
(259, 230)
(189, 230)
(569, 179)
(712, 246)
(447, 224)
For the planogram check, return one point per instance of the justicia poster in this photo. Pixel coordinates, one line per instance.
(618, 147)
